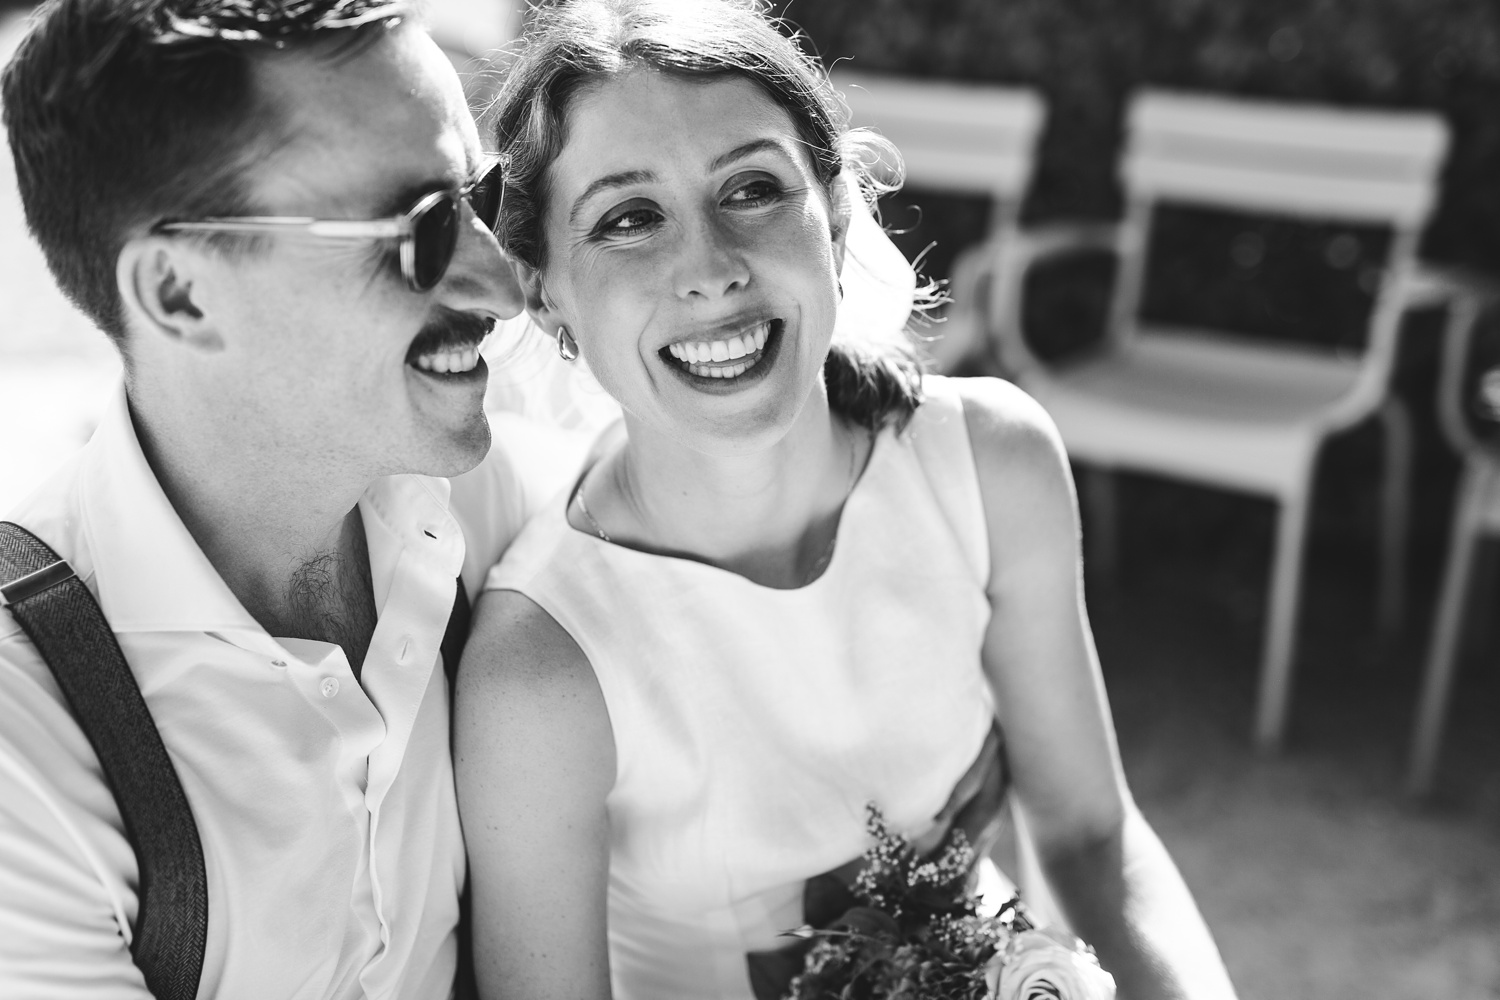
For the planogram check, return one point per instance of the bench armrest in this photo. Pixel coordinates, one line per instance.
(989, 277)
(1468, 295)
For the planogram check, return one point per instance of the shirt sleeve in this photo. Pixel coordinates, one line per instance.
(65, 867)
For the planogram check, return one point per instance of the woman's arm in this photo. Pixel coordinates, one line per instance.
(534, 760)
(1112, 876)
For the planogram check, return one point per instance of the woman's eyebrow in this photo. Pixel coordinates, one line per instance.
(750, 148)
(622, 179)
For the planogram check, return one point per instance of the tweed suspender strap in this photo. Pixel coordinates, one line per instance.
(456, 634)
(452, 648)
(61, 617)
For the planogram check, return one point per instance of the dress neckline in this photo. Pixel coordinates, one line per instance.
(872, 460)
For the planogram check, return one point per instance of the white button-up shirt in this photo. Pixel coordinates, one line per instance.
(325, 804)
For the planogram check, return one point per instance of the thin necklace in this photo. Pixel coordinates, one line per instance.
(583, 508)
(820, 564)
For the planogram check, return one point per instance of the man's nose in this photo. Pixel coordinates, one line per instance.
(711, 262)
(480, 275)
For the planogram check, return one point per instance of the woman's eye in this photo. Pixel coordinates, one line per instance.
(629, 222)
(760, 191)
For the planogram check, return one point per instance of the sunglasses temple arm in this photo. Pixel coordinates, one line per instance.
(331, 229)
(381, 229)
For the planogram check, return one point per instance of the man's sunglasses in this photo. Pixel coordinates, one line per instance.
(427, 232)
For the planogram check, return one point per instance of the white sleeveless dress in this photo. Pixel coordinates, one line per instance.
(752, 724)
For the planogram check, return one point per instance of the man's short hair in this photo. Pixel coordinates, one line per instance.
(122, 113)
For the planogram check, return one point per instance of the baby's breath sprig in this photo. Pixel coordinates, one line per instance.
(917, 933)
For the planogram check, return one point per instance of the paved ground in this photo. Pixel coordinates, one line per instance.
(1318, 879)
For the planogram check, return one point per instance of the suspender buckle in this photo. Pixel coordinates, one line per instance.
(35, 583)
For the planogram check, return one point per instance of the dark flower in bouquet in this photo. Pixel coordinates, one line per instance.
(919, 933)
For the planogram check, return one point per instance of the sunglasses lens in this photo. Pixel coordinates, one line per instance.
(435, 236)
(487, 195)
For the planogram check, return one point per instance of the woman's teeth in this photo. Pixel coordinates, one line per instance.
(723, 371)
(450, 362)
(708, 357)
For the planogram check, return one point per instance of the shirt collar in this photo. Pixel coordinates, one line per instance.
(407, 517)
(150, 573)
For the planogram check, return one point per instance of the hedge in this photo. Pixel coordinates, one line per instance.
(1086, 56)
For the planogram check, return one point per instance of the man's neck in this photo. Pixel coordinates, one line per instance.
(288, 542)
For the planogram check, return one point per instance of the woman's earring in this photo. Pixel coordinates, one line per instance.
(567, 347)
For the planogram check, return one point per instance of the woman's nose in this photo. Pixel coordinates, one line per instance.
(711, 263)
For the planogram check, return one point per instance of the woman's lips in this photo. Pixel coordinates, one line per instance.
(727, 357)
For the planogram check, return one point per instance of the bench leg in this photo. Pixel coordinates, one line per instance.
(1394, 517)
(1442, 653)
(1279, 648)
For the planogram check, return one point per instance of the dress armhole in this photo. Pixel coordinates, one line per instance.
(533, 569)
(940, 434)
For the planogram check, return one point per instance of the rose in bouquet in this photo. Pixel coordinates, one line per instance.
(918, 933)
(1048, 964)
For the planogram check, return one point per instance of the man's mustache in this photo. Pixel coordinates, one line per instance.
(450, 330)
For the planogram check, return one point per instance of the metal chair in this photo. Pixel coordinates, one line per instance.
(1469, 413)
(1212, 406)
(961, 138)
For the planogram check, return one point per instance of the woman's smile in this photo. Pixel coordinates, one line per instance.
(727, 358)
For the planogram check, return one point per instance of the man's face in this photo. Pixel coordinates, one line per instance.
(328, 356)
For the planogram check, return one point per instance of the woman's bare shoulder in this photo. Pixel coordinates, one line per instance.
(523, 673)
(1011, 435)
(1024, 482)
(512, 634)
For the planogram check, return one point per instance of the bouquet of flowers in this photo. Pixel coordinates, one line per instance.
(918, 933)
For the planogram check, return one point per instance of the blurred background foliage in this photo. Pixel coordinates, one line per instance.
(1086, 56)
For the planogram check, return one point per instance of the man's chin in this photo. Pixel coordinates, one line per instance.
(456, 452)
(451, 424)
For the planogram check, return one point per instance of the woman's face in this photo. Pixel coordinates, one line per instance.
(690, 252)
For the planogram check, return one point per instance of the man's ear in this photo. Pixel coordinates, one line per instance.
(538, 302)
(163, 286)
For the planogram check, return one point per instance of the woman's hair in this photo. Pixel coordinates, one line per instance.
(570, 44)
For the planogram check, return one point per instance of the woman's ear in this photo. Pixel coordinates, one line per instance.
(164, 290)
(538, 302)
(846, 200)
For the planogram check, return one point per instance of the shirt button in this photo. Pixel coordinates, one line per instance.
(278, 663)
(329, 687)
